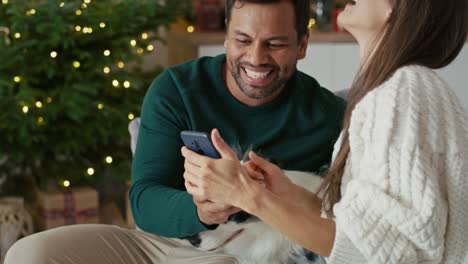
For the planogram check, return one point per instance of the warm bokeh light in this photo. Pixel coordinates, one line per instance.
(127, 84)
(131, 116)
(66, 183)
(90, 171)
(109, 159)
(106, 70)
(39, 104)
(190, 29)
(53, 54)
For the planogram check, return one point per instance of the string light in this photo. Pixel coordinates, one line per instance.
(102, 25)
(131, 116)
(76, 64)
(84, 6)
(150, 48)
(140, 51)
(25, 109)
(78, 28)
(190, 29)
(106, 70)
(107, 53)
(311, 23)
(66, 183)
(90, 171)
(133, 43)
(17, 79)
(127, 84)
(31, 12)
(87, 1)
(40, 120)
(109, 159)
(78, 12)
(115, 83)
(53, 54)
(144, 35)
(17, 35)
(87, 30)
(100, 106)
(49, 100)
(4, 2)
(39, 104)
(120, 64)
(62, 4)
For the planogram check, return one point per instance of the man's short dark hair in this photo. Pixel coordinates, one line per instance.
(301, 11)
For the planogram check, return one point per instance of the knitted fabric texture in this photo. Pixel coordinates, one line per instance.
(404, 190)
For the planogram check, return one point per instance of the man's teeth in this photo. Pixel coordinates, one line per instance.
(256, 75)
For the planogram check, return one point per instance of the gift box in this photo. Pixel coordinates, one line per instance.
(68, 207)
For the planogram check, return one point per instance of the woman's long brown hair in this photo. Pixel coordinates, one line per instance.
(420, 32)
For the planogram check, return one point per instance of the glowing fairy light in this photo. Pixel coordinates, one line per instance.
(66, 183)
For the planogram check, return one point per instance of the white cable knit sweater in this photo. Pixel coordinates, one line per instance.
(405, 186)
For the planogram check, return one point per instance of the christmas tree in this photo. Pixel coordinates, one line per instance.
(70, 82)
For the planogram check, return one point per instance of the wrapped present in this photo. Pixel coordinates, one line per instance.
(71, 206)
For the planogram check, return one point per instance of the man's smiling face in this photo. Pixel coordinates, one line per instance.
(262, 50)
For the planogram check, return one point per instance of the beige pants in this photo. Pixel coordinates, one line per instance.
(105, 244)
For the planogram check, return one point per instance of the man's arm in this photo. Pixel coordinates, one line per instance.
(159, 202)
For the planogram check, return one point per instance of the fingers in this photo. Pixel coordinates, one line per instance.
(253, 171)
(193, 157)
(220, 145)
(263, 164)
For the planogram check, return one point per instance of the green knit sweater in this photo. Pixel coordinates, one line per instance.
(297, 130)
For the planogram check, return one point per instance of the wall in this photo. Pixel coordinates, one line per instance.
(335, 64)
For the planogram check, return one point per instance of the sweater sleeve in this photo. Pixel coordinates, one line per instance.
(159, 202)
(394, 207)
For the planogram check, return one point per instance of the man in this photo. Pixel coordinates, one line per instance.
(253, 95)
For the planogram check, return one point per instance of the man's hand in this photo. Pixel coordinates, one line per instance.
(211, 213)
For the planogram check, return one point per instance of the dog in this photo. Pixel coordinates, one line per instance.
(255, 242)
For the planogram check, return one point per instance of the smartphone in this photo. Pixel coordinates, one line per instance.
(199, 142)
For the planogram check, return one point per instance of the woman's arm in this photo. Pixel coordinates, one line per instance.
(280, 203)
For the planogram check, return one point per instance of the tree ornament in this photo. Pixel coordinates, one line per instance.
(5, 32)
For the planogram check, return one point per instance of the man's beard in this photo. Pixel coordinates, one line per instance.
(254, 91)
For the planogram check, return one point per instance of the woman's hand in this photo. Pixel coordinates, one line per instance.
(272, 176)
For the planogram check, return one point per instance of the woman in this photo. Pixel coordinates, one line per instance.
(396, 190)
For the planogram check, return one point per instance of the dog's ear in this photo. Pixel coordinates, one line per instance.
(195, 240)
